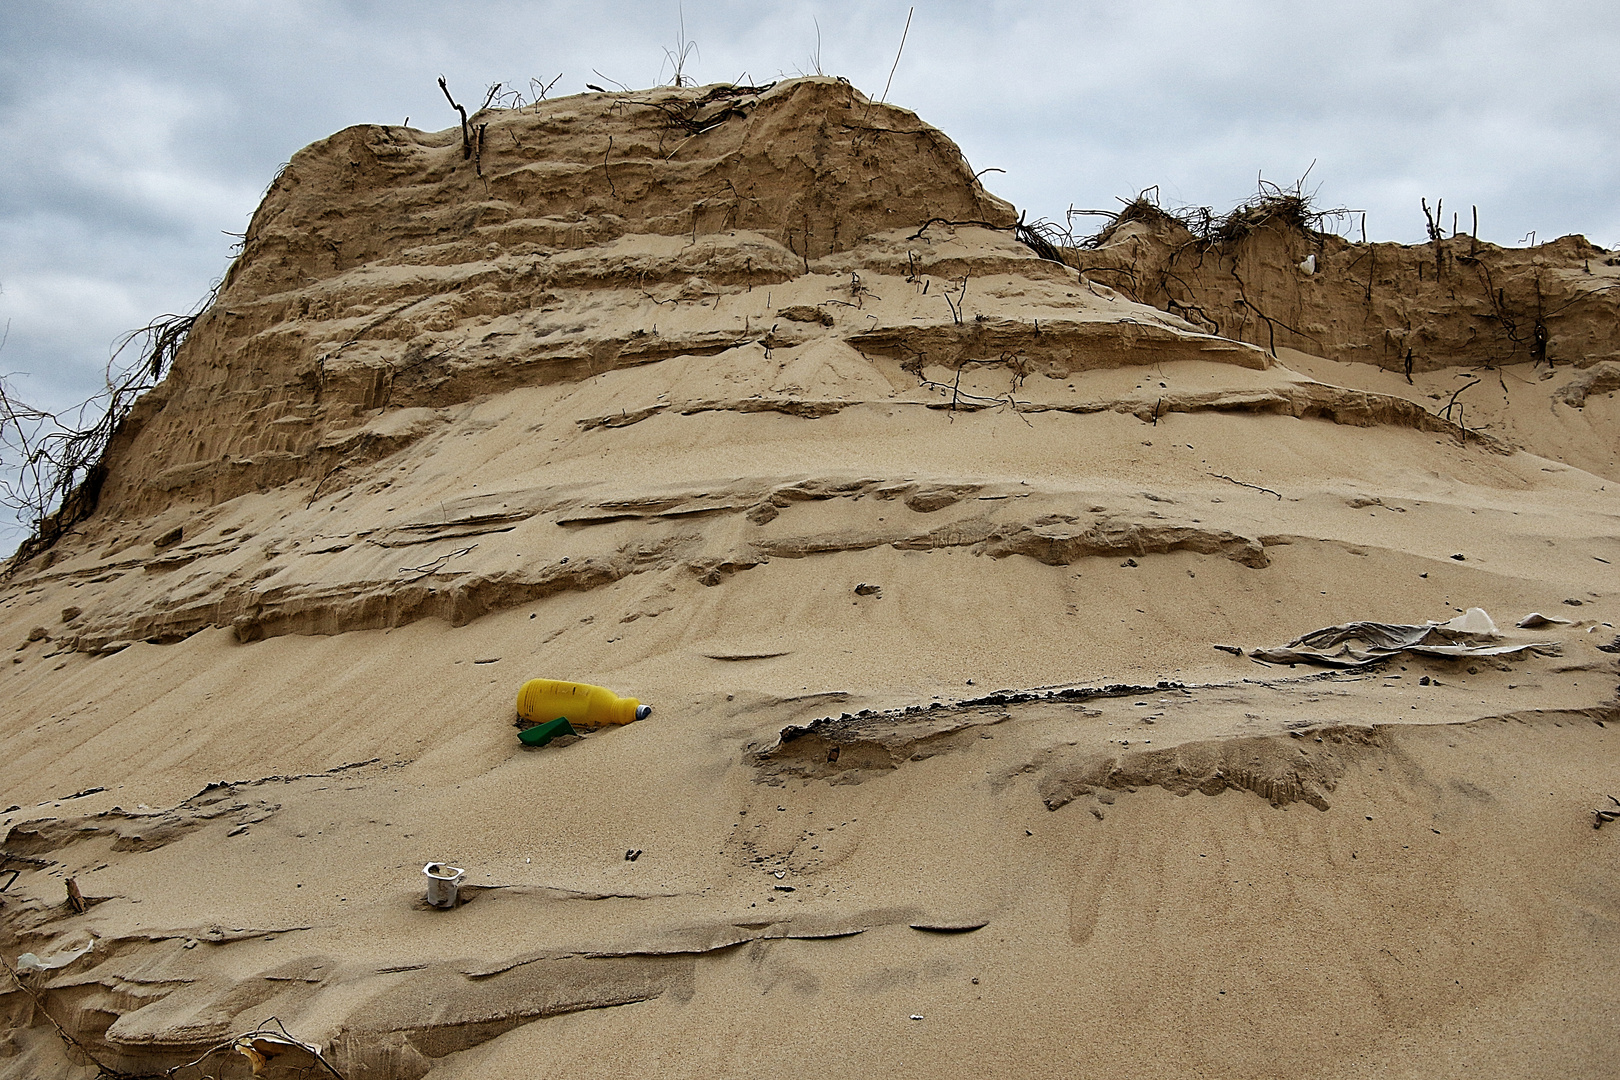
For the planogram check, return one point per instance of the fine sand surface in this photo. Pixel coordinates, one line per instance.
(733, 425)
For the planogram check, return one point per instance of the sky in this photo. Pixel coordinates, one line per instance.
(135, 137)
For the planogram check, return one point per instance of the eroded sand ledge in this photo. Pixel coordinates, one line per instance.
(640, 395)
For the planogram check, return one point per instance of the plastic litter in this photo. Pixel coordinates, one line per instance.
(541, 734)
(443, 883)
(264, 1044)
(581, 704)
(1473, 621)
(30, 962)
(1361, 643)
(1536, 618)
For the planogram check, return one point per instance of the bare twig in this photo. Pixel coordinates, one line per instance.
(466, 134)
(1437, 234)
(691, 115)
(51, 464)
(859, 291)
(1041, 236)
(1604, 814)
(1454, 403)
(244, 1044)
(1240, 483)
(539, 90)
(1291, 205)
(39, 1004)
(956, 304)
(433, 566)
(925, 226)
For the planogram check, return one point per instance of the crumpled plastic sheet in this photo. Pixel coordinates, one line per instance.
(1362, 643)
(31, 962)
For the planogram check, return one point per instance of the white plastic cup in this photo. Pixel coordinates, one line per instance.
(443, 881)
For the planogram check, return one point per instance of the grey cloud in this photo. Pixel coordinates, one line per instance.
(136, 134)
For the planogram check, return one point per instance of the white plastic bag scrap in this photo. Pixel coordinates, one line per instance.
(1473, 621)
(31, 962)
(1360, 643)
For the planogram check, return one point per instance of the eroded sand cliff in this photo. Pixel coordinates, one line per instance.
(751, 402)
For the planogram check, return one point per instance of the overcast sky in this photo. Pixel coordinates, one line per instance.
(135, 135)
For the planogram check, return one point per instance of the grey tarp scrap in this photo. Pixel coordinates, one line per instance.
(1536, 619)
(1362, 643)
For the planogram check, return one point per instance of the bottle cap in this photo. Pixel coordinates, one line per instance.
(642, 711)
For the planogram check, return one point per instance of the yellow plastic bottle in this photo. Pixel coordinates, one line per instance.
(541, 700)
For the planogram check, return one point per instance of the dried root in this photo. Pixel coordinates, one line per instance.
(51, 464)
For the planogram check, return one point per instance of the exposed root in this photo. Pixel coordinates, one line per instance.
(59, 462)
(1275, 272)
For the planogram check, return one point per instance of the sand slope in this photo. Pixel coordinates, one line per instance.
(749, 402)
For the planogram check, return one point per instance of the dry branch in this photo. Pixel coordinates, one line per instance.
(1240, 483)
(1271, 204)
(466, 135)
(269, 1039)
(51, 464)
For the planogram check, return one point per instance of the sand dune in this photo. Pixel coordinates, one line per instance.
(754, 404)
